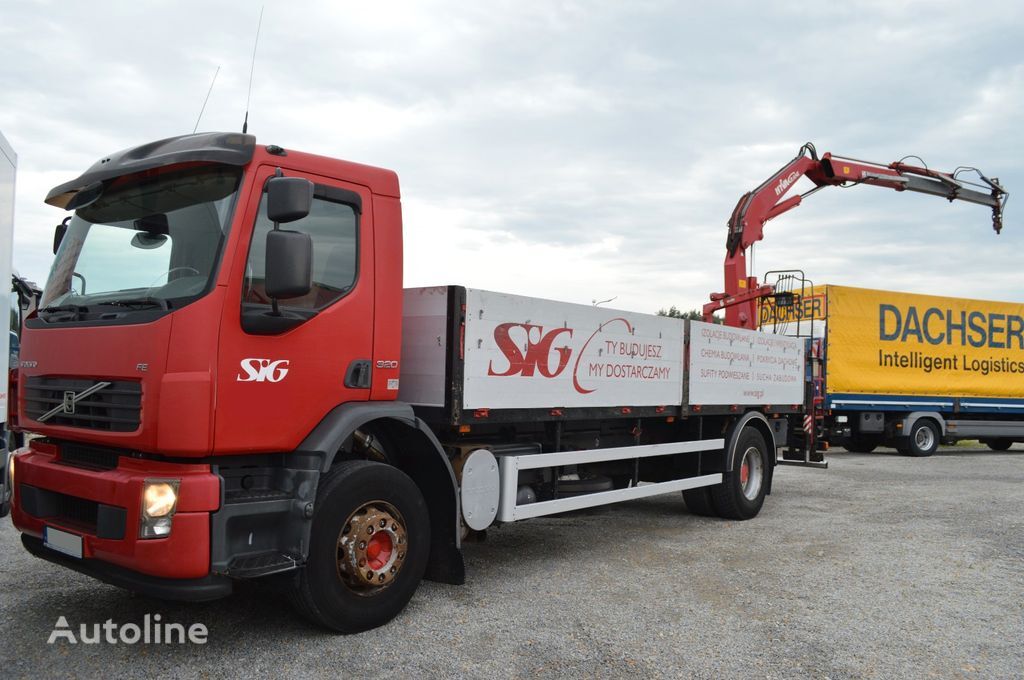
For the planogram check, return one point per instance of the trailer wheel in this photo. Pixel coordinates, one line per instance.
(698, 502)
(923, 439)
(998, 444)
(860, 445)
(741, 493)
(368, 547)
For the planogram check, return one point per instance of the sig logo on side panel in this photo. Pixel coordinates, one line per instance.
(263, 370)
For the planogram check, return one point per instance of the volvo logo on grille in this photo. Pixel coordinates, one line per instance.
(71, 399)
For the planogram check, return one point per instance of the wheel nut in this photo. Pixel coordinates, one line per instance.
(362, 545)
(383, 523)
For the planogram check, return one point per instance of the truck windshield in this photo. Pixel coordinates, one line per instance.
(151, 240)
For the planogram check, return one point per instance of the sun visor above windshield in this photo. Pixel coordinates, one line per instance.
(230, 148)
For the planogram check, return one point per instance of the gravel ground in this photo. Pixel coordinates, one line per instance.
(881, 566)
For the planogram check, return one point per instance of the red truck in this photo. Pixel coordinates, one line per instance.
(220, 398)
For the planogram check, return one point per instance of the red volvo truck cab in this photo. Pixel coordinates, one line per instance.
(214, 372)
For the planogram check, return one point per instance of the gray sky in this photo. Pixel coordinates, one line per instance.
(571, 150)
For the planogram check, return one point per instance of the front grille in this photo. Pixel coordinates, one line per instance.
(89, 457)
(78, 512)
(115, 408)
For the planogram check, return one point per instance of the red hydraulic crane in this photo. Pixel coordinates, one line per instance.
(766, 202)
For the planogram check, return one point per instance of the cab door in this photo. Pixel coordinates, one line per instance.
(274, 385)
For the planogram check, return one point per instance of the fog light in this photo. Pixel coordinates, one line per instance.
(159, 501)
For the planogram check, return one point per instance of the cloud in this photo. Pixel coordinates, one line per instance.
(569, 150)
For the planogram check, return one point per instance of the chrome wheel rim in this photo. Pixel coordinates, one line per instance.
(751, 473)
(924, 438)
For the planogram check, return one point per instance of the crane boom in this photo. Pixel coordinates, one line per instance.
(768, 201)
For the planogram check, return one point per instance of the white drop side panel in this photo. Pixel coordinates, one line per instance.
(424, 340)
(738, 366)
(523, 352)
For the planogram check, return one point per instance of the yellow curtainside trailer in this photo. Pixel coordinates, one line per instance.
(909, 370)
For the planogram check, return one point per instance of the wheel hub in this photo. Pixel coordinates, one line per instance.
(372, 546)
(751, 473)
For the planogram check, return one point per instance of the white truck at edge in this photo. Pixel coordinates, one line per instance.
(8, 168)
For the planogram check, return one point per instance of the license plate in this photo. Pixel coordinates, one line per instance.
(62, 541)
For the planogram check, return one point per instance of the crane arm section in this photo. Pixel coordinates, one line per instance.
(769, 200)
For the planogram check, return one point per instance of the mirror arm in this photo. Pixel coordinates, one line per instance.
(274, 310)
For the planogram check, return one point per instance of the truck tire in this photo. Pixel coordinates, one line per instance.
(368, 547)
(923, 439)
(698, 502)
(741, 493)
(860, 445)
(998, 444)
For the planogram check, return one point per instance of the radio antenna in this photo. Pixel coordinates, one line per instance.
(206, 100)
(252, 67)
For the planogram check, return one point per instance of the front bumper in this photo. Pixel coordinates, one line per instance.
(209, 587)
(104, 506)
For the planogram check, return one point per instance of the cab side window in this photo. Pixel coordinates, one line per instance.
(334, 228)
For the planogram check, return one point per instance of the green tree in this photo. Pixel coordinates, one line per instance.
(694, 314)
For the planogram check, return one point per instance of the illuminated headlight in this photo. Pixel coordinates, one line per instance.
(842, 419)
(159, 501)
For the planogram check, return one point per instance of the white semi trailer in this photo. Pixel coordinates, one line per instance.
(8, 167)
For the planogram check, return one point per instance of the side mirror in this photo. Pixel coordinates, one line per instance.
(288, 199)
(58, 234)
(289, 264)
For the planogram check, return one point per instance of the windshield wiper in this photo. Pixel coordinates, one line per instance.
(139, 302)
(74, 310)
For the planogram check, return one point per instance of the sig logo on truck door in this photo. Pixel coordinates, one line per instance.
(263, 370)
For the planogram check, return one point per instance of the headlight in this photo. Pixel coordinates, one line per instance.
(159, 501)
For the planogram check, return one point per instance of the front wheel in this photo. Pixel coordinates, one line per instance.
(923, 439)
(368, 547)
(741, 493)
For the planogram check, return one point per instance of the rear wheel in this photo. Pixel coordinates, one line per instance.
(998, 444)
(741, 493)
(923, 439)
(698, 502)
(368, 547)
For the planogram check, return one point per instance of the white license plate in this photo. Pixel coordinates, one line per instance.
(62, 541)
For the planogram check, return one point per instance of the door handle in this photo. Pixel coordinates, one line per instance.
(358, 375)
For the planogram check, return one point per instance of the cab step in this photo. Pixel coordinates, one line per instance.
(261, 564)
